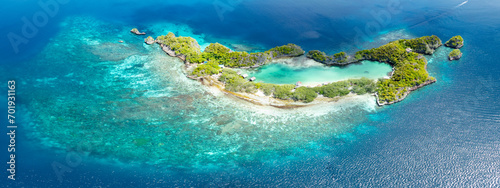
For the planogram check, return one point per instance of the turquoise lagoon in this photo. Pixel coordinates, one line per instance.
(310, 72)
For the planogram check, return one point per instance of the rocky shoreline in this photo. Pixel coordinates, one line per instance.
(136, 31)
(451, 58)
(405, 94)
(172, 53)
(455, 54)
(149, 40)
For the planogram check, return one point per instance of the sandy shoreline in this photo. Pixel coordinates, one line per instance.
(259, 98)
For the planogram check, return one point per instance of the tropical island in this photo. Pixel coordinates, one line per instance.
(214, 66)
(455, 54)
(456, 42)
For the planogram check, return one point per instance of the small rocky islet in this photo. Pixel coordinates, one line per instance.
(456, 42)
(215, 66)
(455, 54)
(136, 31)
(149, 40)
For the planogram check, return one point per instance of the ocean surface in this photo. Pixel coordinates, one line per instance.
(94, 112)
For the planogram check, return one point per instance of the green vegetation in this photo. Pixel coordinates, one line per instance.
(209, 68)
(186, 46)
(359, 86)
(390, 53)
(340, 57)
(216, 51)
(455, 42)
(225, 56)
(319, 56)
(304, 94)
(289, 50)
(268, 89)
(455, 54)
(134, 30)
(423, 45)
(236, 83)
(283, 91)
(409, 67)
(363, 86)
(334, 89)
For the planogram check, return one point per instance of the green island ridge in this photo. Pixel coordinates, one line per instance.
(215, 65)
(338, 59)
(189, 51)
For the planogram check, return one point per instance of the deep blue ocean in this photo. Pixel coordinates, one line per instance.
(110, 114)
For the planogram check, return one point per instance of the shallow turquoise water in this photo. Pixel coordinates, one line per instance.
(280, 73)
